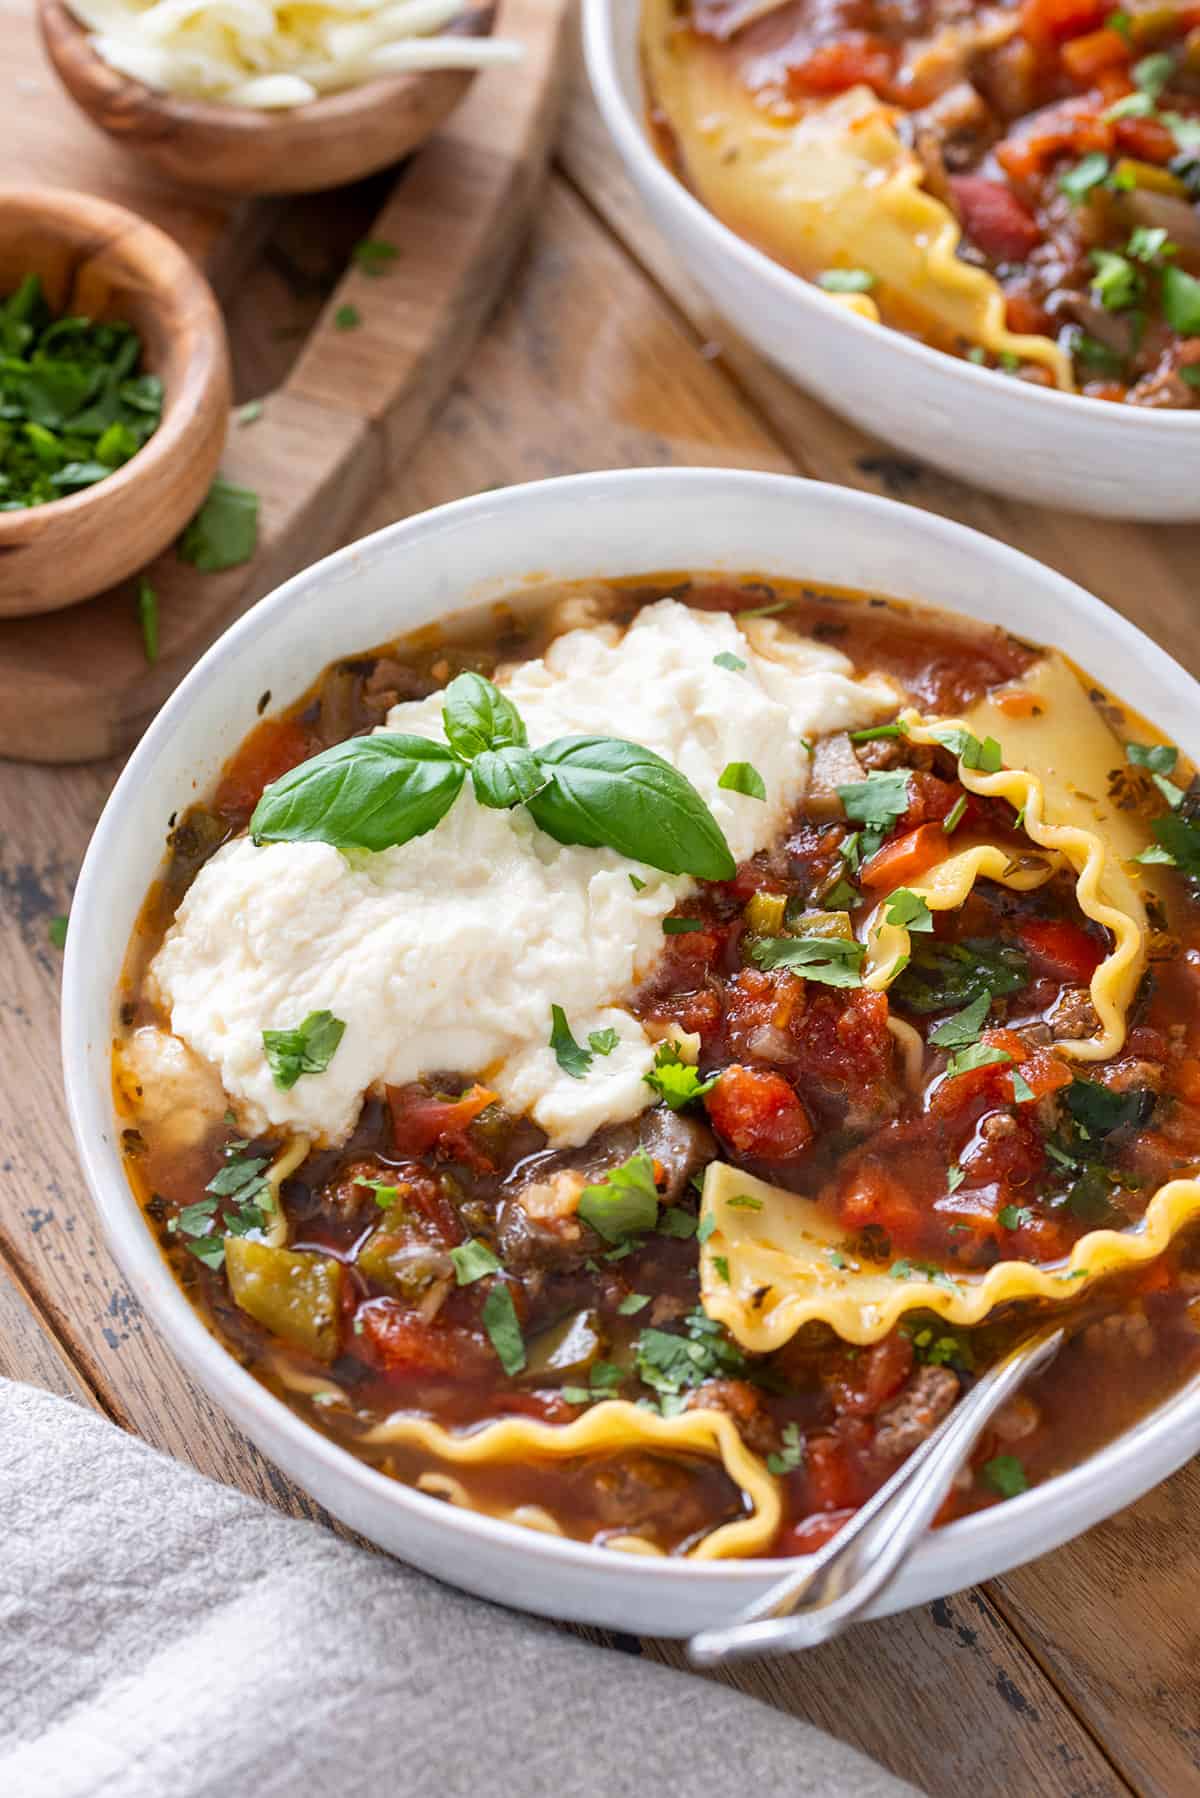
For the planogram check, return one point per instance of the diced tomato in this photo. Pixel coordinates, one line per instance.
(994, 219)
(1063, 947)
(700, 1011)
(843, 1039)
(872, 1198)
(1010, 1156)
(930, 799)
(403, 1346)
(1187, 1080)
(1088, 56)
(420, 1121)
(1149, 140)
(1049, 21)
(811, 1533)
(272, 747)
(832, 68)
(1024, 316)
(1043, 1073)
(831, 1480)
(859, 1385)
(903, 860)
(758, 1114)
(1073, 126)
(957, 1093)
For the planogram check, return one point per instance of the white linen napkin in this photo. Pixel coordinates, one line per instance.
(165, 1637)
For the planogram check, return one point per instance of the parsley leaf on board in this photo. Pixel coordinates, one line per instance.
(224, 532)
(307, 1049)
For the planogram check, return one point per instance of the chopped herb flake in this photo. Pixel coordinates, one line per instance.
(742, 777)
(625, 1202)
(1005, 1474)
(571, 1058)
(473, 1261)
(504, 1331)
(307, 1049)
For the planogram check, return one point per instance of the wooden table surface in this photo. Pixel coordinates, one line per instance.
(1079, 1674)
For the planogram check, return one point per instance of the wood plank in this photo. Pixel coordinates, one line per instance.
(28, 1350)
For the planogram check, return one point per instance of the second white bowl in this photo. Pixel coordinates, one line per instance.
(1026, 442)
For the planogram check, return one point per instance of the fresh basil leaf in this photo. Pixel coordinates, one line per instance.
(571, 1058)
(1099, 1111)
(503, 1328)
(625, 1202)
(742, 777)
(674, 1079)
(308, 1049)
(224, 532)
(1090, 1197)
(502, 778)
(909, 910)
(944, 974)
(476, 716)
(607, 793)
(830, 960)
(366, 793)
(473, 1261)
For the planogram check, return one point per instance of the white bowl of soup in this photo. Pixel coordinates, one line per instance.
(1002, 364)
(595, 1012)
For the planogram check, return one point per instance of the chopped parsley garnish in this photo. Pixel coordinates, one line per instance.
(241, 1191)
(742, 777)
(374, 255)
(1006, 1475)
(925, 1270)
(603, 1042)
(986, 756)
(944, 974)
(722, 1268)
(909, 909)
(727, 659)
(570, 1056)
(385, 1196)
(347, 318)
(846, 280)
(672, 1364)
(1148, 242)
(1116, 283)
(979, 1055)
(829, 960)
(625, 1202)
(56, 930)
(147, 610)
(674, 1079)
(954, 1177)
(1087, 173)
(842, 897)
(962, 1028)
(224, 532)
(1181, 301)
(473, 1261)
(675, 1221)
(639, 886)
(503, 1328)
(681, 926)
(954, 816)
(632, 1303)
(307, 1049)
(743, 1201)
(248, 414)
(1098, 1111)
(1120, 22)
(1159, 758)
(876, 731)
(1022, 1091)
(1014, 1217)
(791, 1452)
(878, 803)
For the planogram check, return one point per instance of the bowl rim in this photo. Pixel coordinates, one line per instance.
(965, 1551)
(477, 18)
(74, 216)
(600, 28)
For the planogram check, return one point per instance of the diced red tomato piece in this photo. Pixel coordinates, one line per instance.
(420, 1121)
(1011, 1156)
(994, 219)
(272, 747)
(758, 1114)
(1187, 1080)
(811, 1533)
(1043, 1073)
(1049, 21)
(903, 860)
(832, 1482)
(1063, 947)
(858, 1386)
(957, 1093)
(872, 1198)
(1024, 316)
(1149, 140)
(1090, 55)
(832, 68)
(403, 1346)
(930, 799)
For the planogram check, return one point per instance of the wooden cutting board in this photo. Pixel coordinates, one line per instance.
(75, 684)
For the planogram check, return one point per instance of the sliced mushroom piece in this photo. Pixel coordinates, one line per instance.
(834, 765)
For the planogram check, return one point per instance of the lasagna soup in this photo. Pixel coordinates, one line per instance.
(1017, 183)
(627, 1061)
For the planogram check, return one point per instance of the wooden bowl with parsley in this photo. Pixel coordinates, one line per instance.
(114, 396)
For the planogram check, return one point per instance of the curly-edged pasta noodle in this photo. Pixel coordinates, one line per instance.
(833, 188)
(606, 1428)
(788, 1265)
(290, 1157)
(1061, 757)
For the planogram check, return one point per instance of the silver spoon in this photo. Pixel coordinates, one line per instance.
(832, 1588)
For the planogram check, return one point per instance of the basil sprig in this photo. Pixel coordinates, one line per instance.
(381, 791)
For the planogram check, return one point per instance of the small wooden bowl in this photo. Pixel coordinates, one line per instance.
(240, 149)
(98, 260)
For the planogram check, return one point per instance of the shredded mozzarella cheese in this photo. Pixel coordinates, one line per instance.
(275, 53)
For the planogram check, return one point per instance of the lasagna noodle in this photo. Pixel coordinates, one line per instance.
(1065, 757)
(788, 1266)
(606, 1428)
(831, 188)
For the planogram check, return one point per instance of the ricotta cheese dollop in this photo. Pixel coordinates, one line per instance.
(446, 954)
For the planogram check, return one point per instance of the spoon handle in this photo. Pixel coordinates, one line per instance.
(830, 1590)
